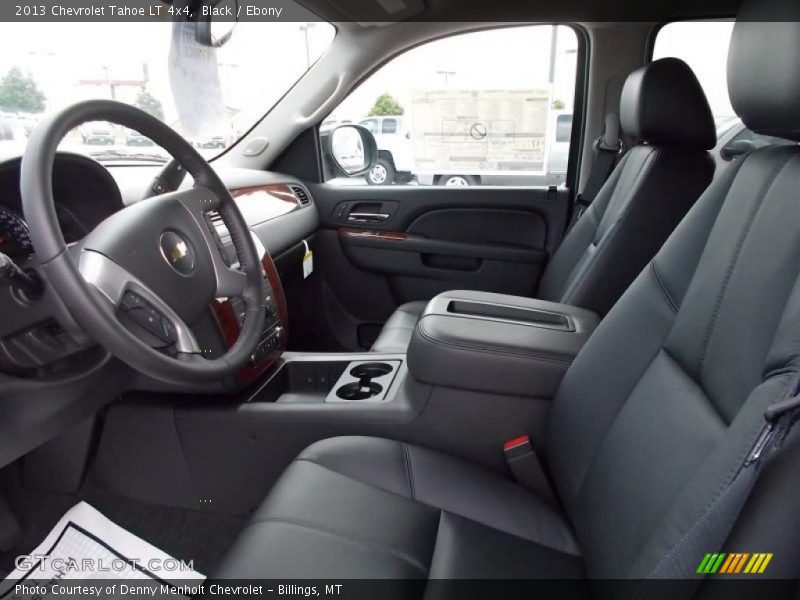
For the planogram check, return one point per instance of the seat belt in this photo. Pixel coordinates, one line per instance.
(607, 150)
(711, 530)
(527, 469)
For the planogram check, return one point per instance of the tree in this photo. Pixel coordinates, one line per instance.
(149, 104)
(19, 93)
(385, 106)
(559, 105)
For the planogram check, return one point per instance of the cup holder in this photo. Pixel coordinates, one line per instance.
(370, 370)
(367, 380)
(359, 390)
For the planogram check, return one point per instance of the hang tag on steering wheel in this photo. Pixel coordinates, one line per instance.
(308, 261)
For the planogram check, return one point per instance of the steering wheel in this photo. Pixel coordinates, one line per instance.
(146, 272)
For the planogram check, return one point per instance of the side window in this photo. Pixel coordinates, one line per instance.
(389, 126)
(485, 108)
(703, 45)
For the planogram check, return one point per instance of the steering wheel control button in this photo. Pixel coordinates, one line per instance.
(131, 300)
(137, 310)
(178, 252)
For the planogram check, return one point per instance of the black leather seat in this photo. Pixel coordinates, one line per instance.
(649, 426)
(360, 507)
(649, 192)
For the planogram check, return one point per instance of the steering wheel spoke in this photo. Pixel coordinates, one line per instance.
(199, 201)
(136, 303)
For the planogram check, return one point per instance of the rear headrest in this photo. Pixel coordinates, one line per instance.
(663, 103)
(764, 67)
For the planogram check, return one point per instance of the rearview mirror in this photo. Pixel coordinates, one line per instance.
(350, 149)
(216, 20)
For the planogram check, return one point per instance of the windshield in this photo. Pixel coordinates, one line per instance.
(211, 96)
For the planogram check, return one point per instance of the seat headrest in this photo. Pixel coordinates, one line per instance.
(663, 103)
(764, 67)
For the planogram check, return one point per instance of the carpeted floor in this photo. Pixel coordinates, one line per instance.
(184, 534)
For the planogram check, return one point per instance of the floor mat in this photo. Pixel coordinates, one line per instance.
(201, 536)
(85, 545)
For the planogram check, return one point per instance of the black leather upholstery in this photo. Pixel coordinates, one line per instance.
(650, 423)
(647, 195)
(356, 507)
(663, 104)
(762, 92)
(396, 332)
(493, 354)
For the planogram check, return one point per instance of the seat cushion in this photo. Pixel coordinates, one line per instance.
(396, 333)
(360, 507)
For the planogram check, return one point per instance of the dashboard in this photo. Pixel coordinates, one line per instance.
(51, 374)
(85, 194)
(38, 338)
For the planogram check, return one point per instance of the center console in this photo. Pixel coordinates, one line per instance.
(481, 369)
(497, 343)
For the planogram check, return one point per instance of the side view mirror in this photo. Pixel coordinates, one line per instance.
(216, 21)
(349, 150)
(736, 148)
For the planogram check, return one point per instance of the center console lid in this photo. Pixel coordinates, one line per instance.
(497, 343)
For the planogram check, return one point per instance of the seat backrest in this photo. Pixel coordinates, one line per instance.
(667, 397)
(646, 196)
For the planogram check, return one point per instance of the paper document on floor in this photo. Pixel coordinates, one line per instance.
(86, 547)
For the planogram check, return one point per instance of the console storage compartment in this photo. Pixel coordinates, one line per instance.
(497, 343)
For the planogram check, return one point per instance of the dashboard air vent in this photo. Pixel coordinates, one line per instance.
(301, 194)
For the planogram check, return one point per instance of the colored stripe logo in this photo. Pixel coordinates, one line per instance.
(734, 562)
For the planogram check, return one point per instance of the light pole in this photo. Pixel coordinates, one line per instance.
(110, 83)
(230, 70)
(553, 46)
(446, 75)
(304, 28)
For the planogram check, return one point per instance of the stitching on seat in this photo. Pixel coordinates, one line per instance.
(710, 329)
(440, 509)
(346, 536)
(410, 474)
(475, 347)
(664, 292)
(603, 244)
(348, 476)
(722, 490)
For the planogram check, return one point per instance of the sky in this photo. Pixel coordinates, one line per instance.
(263, 60)
(704, 46)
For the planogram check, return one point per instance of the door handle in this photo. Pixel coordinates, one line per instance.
(365, 217)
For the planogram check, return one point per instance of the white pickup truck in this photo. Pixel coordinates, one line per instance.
(473, 137)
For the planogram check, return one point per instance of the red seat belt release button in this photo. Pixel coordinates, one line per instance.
(526, 468)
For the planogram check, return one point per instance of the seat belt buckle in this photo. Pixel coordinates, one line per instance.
(581, 206)
(524, 464)
(519, 446)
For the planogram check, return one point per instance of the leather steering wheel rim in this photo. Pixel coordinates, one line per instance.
(91, 308)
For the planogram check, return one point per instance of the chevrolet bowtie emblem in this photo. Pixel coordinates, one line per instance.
(179, 251)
